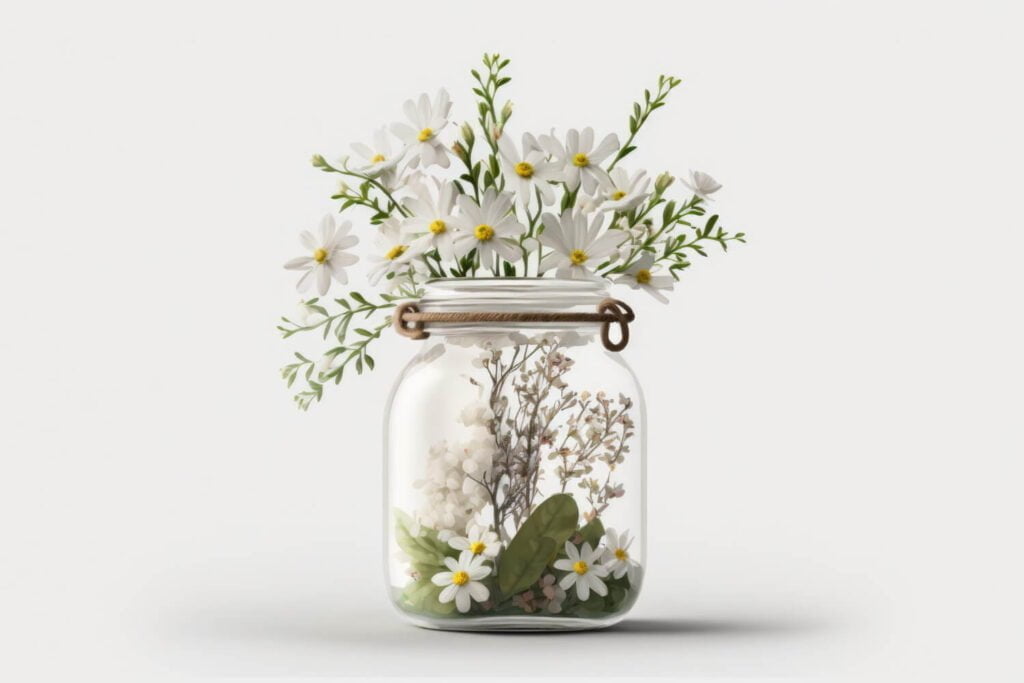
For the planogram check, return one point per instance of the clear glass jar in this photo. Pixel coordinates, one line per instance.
(515, 469)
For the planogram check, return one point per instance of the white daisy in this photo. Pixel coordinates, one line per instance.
(378, 158)
(638, 276)
(431, 220)
(420, 135)
(327, 258)
(490, 228)
(528, 170)
(702, 185)
(462, 583)
(616, 556)
(584, 572)
(625, 193)
(393, 251)
(577, 246)
(479, 541)
(579, 158)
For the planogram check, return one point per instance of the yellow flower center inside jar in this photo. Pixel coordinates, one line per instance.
(320, 255)
(643, 276)
(580, 567)
(425, 135)
(437, 227)
(578, 257)
(484, 233)
(524, 170)
(395, 251)
(580, 160)
(477, 547)
(377, 158)
(460, 578)
(617, 195)
(621, 554)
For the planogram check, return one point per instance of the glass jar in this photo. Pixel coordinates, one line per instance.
(515, 469)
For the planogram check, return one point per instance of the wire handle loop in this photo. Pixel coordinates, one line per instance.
(410, 322)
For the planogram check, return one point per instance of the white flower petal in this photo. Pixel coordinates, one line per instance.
(462, 599)
(299, 263)
(448, 594)
(478, 591)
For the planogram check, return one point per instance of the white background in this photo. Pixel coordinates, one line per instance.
(835, 408)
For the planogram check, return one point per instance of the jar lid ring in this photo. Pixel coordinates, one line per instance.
(410, 322)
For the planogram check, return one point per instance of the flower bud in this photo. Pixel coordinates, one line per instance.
(506, 111)
(343, 187)
(496, 132)
(459, 151)
(467, 133)
(663, 181)
(318, 161)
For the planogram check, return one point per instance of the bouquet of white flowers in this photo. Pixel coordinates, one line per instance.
(465, 201)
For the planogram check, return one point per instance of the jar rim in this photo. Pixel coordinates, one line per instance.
(458, 284)
(511, 294)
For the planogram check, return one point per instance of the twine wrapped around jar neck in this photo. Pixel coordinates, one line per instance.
(410, 322)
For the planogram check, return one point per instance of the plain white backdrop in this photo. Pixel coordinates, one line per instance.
(835, 408)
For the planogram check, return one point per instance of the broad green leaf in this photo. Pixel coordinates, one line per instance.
(536, 542)
(593, 532)
(523, 563)
(424, 549)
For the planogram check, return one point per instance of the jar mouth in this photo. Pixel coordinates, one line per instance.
(511, 295)
(439, 286)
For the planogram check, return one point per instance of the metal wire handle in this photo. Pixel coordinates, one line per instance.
(410, 322)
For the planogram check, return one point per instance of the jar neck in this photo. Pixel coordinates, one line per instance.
(510, 295)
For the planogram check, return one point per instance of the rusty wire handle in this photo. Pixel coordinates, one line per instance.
(410, 322)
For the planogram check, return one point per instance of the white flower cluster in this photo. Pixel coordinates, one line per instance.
(439, 223)
(452, 496)
(586, 568)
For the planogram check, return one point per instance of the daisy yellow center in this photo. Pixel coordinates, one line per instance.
(617, 195)
(477, 547)
(437, 227)
(320, 255)
(578, 257)
(425, 135)
(580, 567)
(581, 160)
(377, 158)
(483, 232)
(643, 276)
(621, 554)
(395, 251)
(460, 578)
(524, 170)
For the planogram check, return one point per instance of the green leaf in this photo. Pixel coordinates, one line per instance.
(540, 537)
(522, 564)
(424, 549)
(593, 532)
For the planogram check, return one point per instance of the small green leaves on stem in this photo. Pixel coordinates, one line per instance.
(642, 111)
(492, 120)
(347, 352)
(364, 190)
